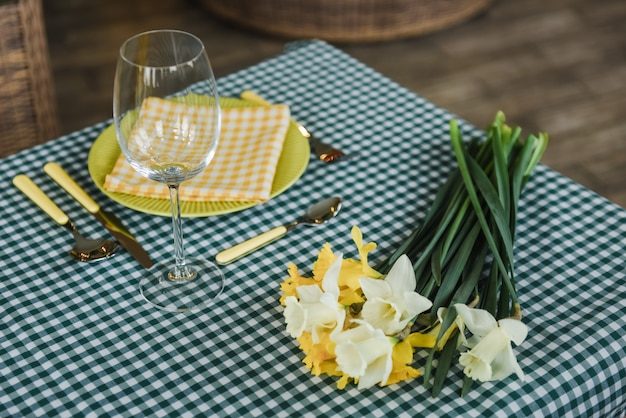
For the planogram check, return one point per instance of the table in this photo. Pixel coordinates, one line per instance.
(78, 340)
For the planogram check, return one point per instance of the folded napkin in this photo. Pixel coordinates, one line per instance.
(244, 165)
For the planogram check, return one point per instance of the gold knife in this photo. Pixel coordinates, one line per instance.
(108, 219)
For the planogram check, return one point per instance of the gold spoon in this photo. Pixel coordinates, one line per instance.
(317, 214)
(84, 249)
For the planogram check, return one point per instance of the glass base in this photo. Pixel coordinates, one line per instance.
(182, 295)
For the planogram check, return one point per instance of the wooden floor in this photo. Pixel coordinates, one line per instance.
(557, 66)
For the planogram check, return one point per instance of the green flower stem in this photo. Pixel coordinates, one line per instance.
(470, 228)
(457, 146)
(445, 361)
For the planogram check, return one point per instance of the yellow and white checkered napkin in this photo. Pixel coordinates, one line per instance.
(243, 168)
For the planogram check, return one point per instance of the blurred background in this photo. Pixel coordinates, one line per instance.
(557, 66)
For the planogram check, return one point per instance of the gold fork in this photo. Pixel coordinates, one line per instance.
(323, 151)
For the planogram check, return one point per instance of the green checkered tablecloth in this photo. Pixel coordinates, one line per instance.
(78, 340)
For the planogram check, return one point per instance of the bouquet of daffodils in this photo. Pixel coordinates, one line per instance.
(453, 276)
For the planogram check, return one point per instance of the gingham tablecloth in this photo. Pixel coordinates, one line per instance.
(78, 340)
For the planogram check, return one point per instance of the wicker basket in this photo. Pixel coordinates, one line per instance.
(346, 20)
(27, 101)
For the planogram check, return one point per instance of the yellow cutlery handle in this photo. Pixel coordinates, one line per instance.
(34, 193)
(64, 180)
(246, 247)
(253, 97)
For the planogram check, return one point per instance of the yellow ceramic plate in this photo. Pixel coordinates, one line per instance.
(291, 164)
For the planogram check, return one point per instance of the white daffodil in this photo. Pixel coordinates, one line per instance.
(315, 309)
(364, 353)
(491, 356)
(392, 303)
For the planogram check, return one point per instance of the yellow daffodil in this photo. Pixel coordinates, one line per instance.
(391, 304)
(320, 357)
(491, 356)
(351, 272)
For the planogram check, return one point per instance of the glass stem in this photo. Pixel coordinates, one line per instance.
(180, 271)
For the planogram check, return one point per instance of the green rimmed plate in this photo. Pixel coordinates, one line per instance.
(292, 162)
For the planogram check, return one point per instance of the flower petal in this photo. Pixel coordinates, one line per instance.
(364, 250)
(417, 339)
(505, 364)
(349, 359)
(479, 361)
(373, 288)
(364, 353)
(383, 314)
(341, 320)
(377, 371)
(318, 330)
(295, 316)
(309, 294)
(401, 277)
(514, 329)
(353, 334)
(415, 304)
(479, 321)
(330, 283)
(319, 313)
(475, 367)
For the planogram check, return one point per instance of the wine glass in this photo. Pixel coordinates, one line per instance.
(167, 119)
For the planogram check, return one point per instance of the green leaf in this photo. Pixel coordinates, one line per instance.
(462, 217)
(448, 216)
(504, 307)
(471, 276)
(503, 241)
(472, 217)
(448, 320)
(459, 152)
(435, 262)
(453, 272)
(520, 166)
(443, 366)
(538, 152)
(424, 281)
(489, 299)
(467, 385)
(468, 221)
(501, 170)
(490, 196)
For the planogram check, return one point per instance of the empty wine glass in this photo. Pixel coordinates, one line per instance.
(167, 120)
